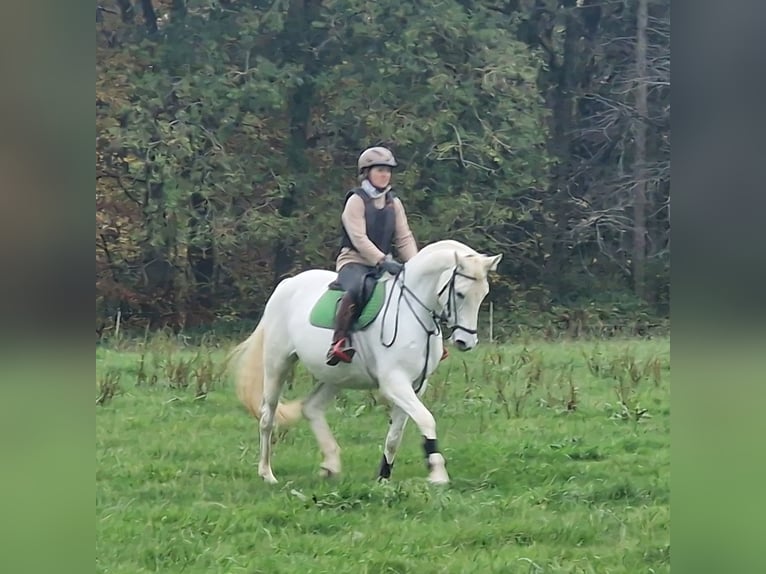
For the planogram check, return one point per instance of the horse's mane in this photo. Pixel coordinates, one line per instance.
(451, 245)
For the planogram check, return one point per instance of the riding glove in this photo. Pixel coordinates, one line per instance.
(389, 265)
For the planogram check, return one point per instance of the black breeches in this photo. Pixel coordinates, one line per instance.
(358, 280)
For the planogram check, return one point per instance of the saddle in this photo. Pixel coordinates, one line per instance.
(324, 310)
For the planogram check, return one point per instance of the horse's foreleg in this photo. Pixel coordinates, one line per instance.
(398, 389)
(393, 440)
(313, 409)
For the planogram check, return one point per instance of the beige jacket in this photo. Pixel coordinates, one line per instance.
(366, 253)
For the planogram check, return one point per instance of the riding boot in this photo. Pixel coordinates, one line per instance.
(341, 349)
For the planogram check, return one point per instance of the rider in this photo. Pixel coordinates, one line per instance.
(373, 222)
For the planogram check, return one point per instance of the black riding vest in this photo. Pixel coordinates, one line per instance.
(380, 222)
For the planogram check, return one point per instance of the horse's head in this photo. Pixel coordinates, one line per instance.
(463, 293)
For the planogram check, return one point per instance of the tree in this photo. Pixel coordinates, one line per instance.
(225, 127)
(228, 133)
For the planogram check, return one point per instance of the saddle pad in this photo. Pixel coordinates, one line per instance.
(323, 312)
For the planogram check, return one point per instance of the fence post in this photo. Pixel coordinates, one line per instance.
(117, 324)
(491, 322)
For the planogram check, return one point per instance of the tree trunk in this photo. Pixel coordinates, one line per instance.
(639, 159)
(150, 16)
(565, 74)
(201, 251)
(295, 40)
(179, 8)
(126, 11)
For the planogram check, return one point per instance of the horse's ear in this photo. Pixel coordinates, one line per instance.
(493, 262)
(457, 259)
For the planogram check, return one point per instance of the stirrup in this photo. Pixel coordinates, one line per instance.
(338, 354)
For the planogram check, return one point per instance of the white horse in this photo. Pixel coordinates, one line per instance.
(396, 353)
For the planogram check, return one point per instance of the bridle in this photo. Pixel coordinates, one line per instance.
(451, 309)
(449, 312)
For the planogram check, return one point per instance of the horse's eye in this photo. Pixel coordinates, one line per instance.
(460, 295)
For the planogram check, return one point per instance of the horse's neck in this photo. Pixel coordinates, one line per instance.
(422, 275)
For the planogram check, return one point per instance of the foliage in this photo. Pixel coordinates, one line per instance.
(227, 133)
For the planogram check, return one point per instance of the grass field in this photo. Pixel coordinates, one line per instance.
(559, 455)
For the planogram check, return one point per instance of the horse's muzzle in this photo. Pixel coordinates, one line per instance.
(461, 345)
(464, 339)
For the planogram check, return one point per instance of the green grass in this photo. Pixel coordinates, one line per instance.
(544, 478)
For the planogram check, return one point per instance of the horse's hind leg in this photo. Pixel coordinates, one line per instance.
(274, 378)
(393, 440)
(313, 409)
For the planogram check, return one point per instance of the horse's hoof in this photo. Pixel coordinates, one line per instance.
(438, 480)
(269, 479)
(327, 473)
(437, 466)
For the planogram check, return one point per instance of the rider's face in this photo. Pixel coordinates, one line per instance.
(380, 176)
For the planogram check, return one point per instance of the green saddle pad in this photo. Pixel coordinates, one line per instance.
(323, 313)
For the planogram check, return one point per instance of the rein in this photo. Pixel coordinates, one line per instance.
(444, 316)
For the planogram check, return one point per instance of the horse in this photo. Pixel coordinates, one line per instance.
(445, 282)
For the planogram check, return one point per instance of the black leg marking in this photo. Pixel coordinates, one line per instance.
(385, 468)
(429, 446)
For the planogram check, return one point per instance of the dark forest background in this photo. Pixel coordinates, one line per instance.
(228, 132)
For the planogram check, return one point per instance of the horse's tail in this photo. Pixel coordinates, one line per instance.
(249, 379)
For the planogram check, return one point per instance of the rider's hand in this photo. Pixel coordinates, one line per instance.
(389, 265)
